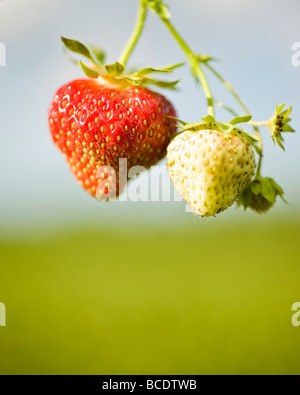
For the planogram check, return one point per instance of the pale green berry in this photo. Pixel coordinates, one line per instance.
(210, 169)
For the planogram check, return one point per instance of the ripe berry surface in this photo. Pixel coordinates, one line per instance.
(95, 124)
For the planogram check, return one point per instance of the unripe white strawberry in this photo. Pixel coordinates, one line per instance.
(210, 169)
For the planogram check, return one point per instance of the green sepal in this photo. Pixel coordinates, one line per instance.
(177, 119)
(245, 197)
(151, 70)
(279, 123)
(71, 59)
(114, 73)
(251, 138)
(267, 190)
(204, 58)
(132, 80)
(243, 119)
(114, 69)
(89, 72)
(142, 81)
(222, 105)
(256, 187)
(77, 47)
(194, 127)
(285, 113)
(208, 119)
(209, 122)
(159, 7)
(260, 195)
(279, 190)
(161, 84)
(173, 66)
(288, 128)
(279, 108)
(98, 54)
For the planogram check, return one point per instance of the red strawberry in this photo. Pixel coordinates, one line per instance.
(95, 124)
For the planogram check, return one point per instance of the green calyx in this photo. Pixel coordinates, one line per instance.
(115, 73)
(279, 123)
(210, 123)
(260, 195)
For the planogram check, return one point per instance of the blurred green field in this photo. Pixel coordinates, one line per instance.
(197, 300)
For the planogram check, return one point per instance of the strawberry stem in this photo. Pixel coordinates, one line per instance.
(194, 63)
(255, 125)
(228, 86)
(138, 29)
(263, 123)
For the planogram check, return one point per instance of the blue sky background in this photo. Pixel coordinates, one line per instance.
(254, 39)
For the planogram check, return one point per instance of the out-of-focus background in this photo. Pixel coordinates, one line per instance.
(124, 288)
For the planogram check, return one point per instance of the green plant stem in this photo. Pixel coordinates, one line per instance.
(228, 86)
(138, 29)
(255, 125)
(258, 175)
(195, 66)
(263, 123)
(228, 109)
